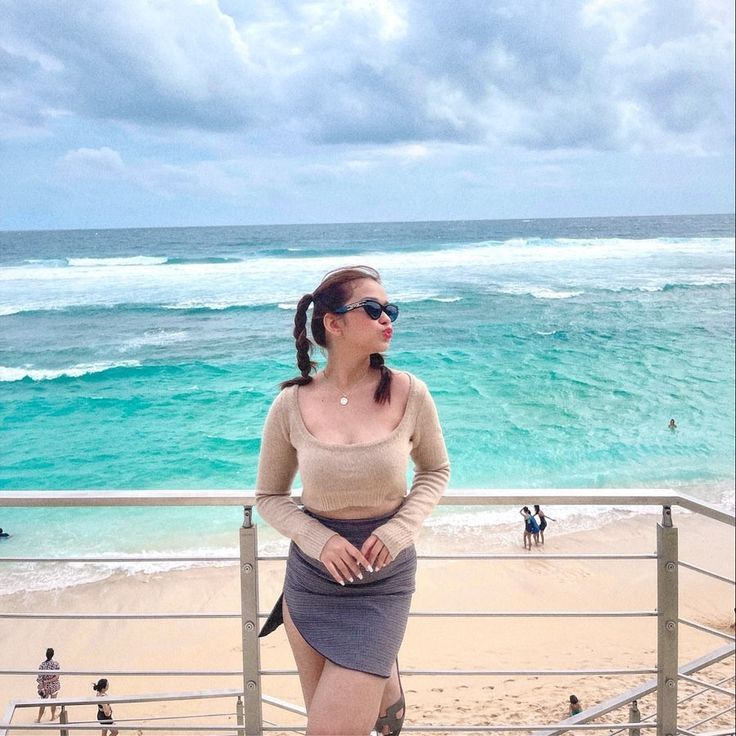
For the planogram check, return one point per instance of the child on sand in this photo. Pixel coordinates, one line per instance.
(575, 705)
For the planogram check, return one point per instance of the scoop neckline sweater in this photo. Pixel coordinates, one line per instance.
(355, 445)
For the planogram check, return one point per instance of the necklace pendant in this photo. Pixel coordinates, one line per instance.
(343, 401)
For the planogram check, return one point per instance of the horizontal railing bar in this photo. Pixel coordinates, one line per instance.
(122, 727)
(414, 614)
(247, 497)
(707, 629)
(283, 558)
(542, 556)
(500, 673)
(409, 672)
(132, 673)
(233, 728)
(708, 685)
(532, 614)
(709, 573)
(422, 728)
(231, 558)
(453, 497)
(125, 699)
(116, 616)
(507, 556)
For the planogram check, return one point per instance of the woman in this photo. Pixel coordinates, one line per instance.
(104, 711)
(542, 520)
(349, 430)
(48, 685)
(530, 528)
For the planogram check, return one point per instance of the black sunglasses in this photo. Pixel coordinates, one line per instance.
(373, 309)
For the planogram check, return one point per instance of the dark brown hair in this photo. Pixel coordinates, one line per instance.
(334, 291)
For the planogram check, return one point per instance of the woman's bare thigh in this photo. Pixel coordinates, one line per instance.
(346, 702)
(309, 662)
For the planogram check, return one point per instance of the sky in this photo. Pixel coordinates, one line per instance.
(133, 113)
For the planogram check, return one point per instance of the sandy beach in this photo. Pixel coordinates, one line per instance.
(531, 584)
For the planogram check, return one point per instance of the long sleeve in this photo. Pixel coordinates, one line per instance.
(277, 466)
(431, 476)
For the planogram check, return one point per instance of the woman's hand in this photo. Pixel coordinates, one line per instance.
(342, 560)
(376, 552)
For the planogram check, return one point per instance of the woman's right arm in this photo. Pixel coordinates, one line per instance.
(277, 466)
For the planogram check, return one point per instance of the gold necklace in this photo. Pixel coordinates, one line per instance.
(344, 400)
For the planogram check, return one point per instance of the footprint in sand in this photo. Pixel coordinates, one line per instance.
(489, 687)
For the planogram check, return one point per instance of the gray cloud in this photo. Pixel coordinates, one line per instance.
(570, 74)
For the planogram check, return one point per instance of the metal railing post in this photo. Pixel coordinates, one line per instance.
(667, 618)
(634, 717)
(253, 719)
(63, 718)
(239, 715)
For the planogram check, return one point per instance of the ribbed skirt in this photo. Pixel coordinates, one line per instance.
(359, 626)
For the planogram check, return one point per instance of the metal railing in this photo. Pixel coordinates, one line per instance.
(250, 697)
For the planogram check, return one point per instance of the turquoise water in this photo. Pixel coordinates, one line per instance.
(557, 352)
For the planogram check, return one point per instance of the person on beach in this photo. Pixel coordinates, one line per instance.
(48, 685)
(349, 430)
(3, 535)
(530, 528)
(575, 705)
(104, 711)
(672, 425)
(542, 520)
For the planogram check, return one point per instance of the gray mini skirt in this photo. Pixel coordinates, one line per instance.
(359, 626)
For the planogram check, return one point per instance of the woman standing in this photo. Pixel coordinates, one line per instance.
(542, 520)
(48, 685)
(531, 529)
(104, 711)
(349, 430)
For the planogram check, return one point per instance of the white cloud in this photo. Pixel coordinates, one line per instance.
(92, 164)
(542, 76)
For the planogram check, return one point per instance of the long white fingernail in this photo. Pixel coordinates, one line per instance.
(369, 568)
(342, 582)
(360, 577)
(350, 580)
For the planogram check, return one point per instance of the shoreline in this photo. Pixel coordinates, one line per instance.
(532, 583)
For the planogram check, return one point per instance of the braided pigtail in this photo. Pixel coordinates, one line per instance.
(303, 345)
(382, 393)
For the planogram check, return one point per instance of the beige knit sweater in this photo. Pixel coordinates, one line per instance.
(336, 476)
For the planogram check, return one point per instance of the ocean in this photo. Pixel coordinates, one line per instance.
(557, 352)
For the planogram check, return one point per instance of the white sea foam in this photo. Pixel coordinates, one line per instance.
(206, 304)
(538, 292)
(10, 374)
(555, 269)
(155, 338)
(126, 261)
(22, 577)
